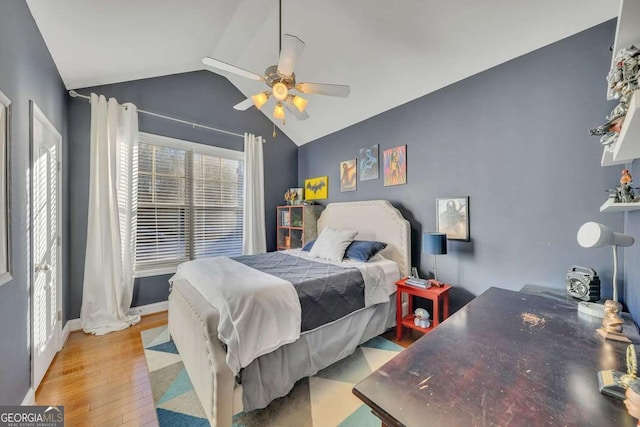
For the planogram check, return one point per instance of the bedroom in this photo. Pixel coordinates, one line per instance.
(513, 136)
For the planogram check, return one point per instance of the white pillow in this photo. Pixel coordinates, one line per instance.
(332, 243)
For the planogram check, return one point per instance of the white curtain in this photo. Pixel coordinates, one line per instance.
(254, 239)
(109, 267)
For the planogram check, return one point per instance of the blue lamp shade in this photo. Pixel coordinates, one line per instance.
(434, 243)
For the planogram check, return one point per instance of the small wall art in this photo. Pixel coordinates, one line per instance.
(368, 161)
(452, 217)
(395, 166)
(348, 173)
(316, 188)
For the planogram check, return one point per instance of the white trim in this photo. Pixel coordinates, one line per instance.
(5, 179)
(37, 114)
(29, 398)
(148, 138)
(158, 270)
(156, 307)
(74, 325)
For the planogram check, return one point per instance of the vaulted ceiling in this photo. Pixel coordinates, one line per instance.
(389, 52)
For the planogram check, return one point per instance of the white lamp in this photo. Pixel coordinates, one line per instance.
(596, 235)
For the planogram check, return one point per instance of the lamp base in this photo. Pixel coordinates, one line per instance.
(616, 336)
(591, 309)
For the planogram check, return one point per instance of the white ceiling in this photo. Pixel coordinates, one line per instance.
(389, 52)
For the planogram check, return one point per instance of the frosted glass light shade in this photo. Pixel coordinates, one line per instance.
(278, 111)
(260, 99)
(300, 103)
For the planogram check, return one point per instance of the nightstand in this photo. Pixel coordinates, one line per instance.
(436, 295)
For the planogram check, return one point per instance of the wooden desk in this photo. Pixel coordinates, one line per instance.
(507, 358)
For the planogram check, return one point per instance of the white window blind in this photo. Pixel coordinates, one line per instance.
(189, 202)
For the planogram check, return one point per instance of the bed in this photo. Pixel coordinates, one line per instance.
(194, 322)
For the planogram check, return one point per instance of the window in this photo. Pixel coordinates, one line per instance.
(189, 203)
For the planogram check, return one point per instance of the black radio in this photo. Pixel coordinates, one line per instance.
(583, 283)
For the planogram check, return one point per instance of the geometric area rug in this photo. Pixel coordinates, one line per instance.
(322, 400)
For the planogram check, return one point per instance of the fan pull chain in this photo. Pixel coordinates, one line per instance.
(274, 130)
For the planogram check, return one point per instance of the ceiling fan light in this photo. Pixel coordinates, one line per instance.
(300, 103)
(280, 91)
(260, 99)
(278, 111)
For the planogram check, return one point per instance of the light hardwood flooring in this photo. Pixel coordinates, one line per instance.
(102, 381)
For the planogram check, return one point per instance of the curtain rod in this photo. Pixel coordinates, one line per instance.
(75, 94)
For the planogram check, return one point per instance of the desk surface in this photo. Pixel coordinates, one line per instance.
(507, 358)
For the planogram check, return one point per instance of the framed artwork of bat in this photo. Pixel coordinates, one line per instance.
(316, 188)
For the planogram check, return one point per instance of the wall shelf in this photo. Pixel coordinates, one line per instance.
(627, 148)
(610, 206)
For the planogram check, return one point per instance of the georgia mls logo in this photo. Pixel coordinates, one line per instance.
(31, 416)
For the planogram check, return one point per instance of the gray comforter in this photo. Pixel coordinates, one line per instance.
(327, 292)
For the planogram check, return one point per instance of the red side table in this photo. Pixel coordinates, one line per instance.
(436, 295)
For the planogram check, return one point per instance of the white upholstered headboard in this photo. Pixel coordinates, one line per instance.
(374, 220)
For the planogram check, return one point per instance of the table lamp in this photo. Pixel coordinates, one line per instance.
(435, 244)
(596, 235)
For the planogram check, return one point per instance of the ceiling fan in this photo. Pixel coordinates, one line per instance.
(281, 80)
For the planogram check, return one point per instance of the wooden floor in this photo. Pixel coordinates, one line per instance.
(103, 380)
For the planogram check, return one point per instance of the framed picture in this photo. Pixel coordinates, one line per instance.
(286, 218)
(395, 166)
(368, 161)
(348, 174)
(316, 188)
(5, 124)
(452, 217)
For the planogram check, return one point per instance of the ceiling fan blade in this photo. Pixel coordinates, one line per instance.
(214, 63)
(324, 89)
(292, 48)
(294, 110)
(244, 105)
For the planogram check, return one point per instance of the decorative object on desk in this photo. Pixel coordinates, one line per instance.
(632, 401)
(421, 318)
(596, 235)
(583, 283)
(414, 273)
(395, 166)
(452, 217)
(348, 175)
(316, 188)
(368, 163)
(614, 383)
(435, 244)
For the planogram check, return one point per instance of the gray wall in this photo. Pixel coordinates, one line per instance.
(26, 73)
(515, 139)
(631, 257)
(202, 97)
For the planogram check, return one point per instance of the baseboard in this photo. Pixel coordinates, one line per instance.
(154, 308)
(29, 398)
(73, 325)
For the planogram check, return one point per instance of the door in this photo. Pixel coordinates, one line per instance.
(45, 244)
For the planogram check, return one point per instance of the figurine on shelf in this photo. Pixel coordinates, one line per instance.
(625, 190)
(624, 193)
(612, 321)
(290, 196)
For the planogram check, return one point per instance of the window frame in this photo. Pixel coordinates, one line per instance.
(148, 270)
